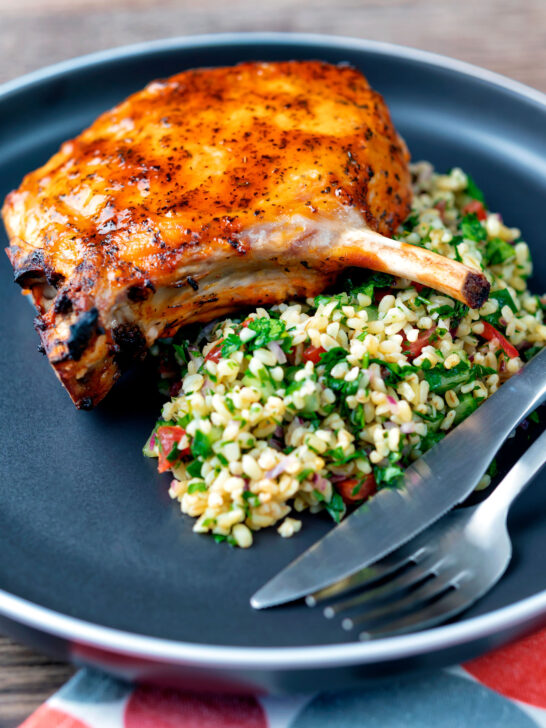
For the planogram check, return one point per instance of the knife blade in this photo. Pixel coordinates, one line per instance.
(439, 480)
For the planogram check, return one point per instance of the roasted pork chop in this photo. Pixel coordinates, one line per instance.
(208, 191)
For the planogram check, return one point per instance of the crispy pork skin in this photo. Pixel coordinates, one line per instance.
(208, 191)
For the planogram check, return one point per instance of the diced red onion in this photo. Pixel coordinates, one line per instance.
(391, 400)
(276, 439)
(207, 386)
(320, 483)
(279, 468)
(407, 428)
(276, 349)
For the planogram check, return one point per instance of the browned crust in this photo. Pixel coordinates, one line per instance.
(476, 289)
(169, 182)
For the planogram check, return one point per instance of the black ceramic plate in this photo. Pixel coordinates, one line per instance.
(93, 552)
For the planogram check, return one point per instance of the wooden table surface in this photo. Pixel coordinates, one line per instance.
(507, 36)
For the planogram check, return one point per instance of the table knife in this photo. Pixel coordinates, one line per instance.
(439, 480)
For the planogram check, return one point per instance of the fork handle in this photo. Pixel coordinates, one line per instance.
(518, 477)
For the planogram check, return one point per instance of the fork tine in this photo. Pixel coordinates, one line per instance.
(409, 578)
(450, 603)
(414, 603)
(400, 558)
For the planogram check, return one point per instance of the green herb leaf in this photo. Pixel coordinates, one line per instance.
(200, 446)
(194, 468)
(459, 312)
(181, 351)
(498, 251)
(467, 405)
(330, 358)
(528, 354)
(410, 222)
(430, 439)
(266, 330)
(391, 475)
(396, 372)
(339, 457)
(251, 501)
(472, 190)
(441, 379)
(336, 507)
(472, 229)
(230, 344)
(493, 469)
(173, 454)
(504, 299)
(455, 242)
(197, 487)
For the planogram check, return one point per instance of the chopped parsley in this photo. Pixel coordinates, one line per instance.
(390, 475)
(194, 468)
(336, 507)
(459, 312)
(395, 372)
(472, 229)
(498, 251)
(230, 344)
(267, 330)
(441, 379)
(472, 190)
(503, 298)
(201, 445)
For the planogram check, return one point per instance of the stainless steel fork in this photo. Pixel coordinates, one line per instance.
(439, 573)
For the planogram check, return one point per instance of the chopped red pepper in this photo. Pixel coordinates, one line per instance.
(215, 353)
(169, 436)
(354, 490)
(476, 207)
(491, 334)
(414, 348)
(313, 353)
(380, 293)
(441, 207)
(418, 286)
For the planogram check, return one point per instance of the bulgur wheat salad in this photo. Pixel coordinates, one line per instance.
(318, 404)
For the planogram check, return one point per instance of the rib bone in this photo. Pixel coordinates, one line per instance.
(368, 249)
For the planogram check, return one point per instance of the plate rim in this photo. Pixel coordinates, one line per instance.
(510, 617)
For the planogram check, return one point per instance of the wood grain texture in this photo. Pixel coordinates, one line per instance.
(26, 680)
(507, 36)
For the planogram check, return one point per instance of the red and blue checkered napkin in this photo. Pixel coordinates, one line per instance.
(505, 689)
